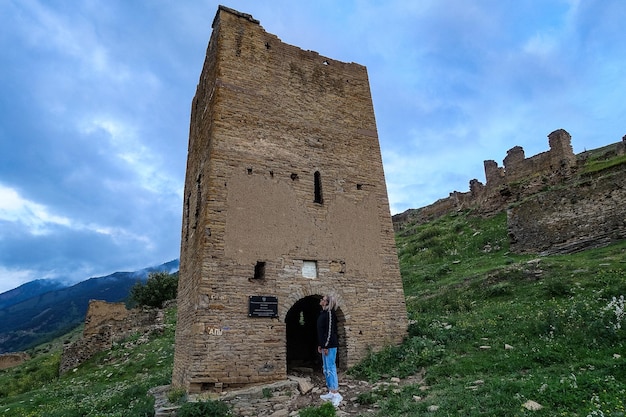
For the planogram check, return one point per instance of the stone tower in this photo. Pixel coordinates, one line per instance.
(285, 201)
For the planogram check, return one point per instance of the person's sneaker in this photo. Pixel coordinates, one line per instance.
(327, 397)
(336, 399)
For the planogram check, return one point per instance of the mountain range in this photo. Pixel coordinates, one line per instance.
(40, 310)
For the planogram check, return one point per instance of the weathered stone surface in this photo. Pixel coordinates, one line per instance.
(532, 405)
(106, 323)
(283, 398)
(9, 360)
(570, 219)
(284, 196)
(552, 205)
(304, 384)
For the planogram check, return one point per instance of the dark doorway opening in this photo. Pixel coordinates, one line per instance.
(301, 327)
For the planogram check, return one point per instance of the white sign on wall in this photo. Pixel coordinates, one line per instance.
(309, 269)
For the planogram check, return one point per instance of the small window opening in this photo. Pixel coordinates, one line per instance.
(272, 174)
(294, 177)
(259, 270)
(318, 188)
(267, 45)
(249, 171)
(359, 186)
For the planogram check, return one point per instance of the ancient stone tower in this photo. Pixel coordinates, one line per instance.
(285, 200)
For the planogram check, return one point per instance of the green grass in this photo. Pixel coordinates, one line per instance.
(114, 383)
(560, 317)
(597, 165)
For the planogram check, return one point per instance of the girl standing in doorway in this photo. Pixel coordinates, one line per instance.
(327, 344)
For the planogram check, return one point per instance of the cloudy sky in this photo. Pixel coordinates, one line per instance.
(95, 102)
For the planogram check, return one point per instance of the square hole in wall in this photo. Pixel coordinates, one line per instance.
(259, 271)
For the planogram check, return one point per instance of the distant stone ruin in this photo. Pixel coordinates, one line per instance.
(9, 360)
(105, 324)
(552, 206)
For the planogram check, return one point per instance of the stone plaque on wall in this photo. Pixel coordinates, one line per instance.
(263, 306)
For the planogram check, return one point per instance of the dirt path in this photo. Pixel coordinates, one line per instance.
(351, 389)
(285, 398)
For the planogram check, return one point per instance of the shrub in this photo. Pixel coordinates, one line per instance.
(324, 410)
(176, 395)
(500, 289)
(401, 361)
(558, 288)
(159, 287)
(367, 398)
(204, 409)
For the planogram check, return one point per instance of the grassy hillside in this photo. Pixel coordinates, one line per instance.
(27, 321)
(113, 384)
(492, 330)
(495, 330)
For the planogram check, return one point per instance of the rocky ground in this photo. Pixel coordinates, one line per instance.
(301, 390)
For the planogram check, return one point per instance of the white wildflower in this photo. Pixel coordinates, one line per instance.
(616, 305)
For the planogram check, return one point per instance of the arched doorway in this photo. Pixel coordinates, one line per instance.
(301, 328)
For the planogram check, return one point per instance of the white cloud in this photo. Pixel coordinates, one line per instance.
(35, 217)
(12, 278)
(38, 220)
(137, 157)
(98, 95)
(120, 236)
(541, 44)
(69, 35)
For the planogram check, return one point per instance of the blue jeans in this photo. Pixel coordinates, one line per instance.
(330, 369)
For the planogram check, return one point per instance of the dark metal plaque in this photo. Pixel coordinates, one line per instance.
(263, 306)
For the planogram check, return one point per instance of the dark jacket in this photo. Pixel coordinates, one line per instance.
(327, 329)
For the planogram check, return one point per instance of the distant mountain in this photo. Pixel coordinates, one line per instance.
(28, 290)
(51, 310)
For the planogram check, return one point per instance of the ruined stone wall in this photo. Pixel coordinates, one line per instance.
(85, 348)
(9, 360)
(105, 324)
(552, 205)
(517, 179)
(284, 173)
(101, 312)
(569, 219)
(559, 161)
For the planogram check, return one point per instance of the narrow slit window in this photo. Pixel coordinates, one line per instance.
(318, 188)
(187, 217)
(259, 271)
(198, 200)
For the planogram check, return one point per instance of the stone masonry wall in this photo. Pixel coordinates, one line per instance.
(106, 323)
(519, 177)
(284, 174)
(552, 207)
(570, 219)
(100, 313)
(9, 360)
